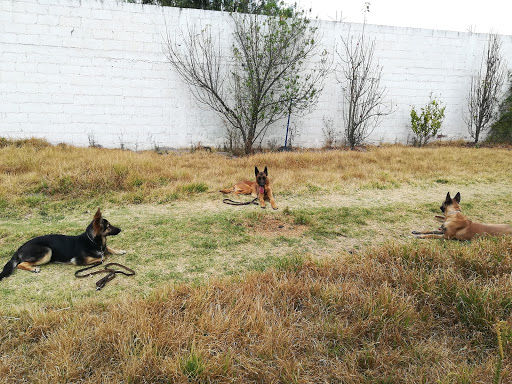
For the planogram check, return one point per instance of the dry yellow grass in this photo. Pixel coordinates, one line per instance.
(60, 172)
(395, 314)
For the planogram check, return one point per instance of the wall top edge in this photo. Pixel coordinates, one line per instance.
(112, 4)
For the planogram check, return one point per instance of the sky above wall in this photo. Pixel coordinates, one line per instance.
(453, 15)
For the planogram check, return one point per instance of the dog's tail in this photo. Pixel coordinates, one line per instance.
(227, 190)
(11, 264)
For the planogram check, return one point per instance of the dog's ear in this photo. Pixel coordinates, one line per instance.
(96, 222)
(448, 198)
(256, 171)
(97, 215)
(265, 171)
(457, 197)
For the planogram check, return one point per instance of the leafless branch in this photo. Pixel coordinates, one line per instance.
(485, 89)
(364, 98)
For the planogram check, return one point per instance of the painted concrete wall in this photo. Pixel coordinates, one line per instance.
(85, 72)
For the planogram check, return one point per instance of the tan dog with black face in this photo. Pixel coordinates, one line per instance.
(260, 188)
(459, 227)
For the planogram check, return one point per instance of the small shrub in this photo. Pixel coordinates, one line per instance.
(329, 132)
(273, 144)
(501, 130)
(428, 123)
(92, 141)
(233, 141)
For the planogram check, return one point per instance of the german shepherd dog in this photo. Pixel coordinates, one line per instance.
(459, 227)
(87, 248)
(260, 188)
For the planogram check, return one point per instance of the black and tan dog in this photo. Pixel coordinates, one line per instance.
(261, 188)
(87, 248)
(459, 227)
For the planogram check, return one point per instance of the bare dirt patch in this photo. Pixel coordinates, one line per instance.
(274, 227)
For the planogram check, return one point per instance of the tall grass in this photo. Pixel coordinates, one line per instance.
(34, 171)
(390, 314)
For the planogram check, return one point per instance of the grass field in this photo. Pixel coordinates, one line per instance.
(329, 288)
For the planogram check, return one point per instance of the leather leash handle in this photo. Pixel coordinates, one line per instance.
(232, 202)
(104, 280)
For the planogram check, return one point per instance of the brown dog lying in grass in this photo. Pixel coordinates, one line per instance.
(459, 227)
(261, 188)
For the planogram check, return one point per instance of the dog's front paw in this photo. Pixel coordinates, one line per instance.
(263, 207)
(275, 208)
(415, 232)
(113, 251)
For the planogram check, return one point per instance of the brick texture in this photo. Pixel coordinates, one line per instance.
(84, 72)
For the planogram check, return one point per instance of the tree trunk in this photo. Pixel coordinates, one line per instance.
(248, 144)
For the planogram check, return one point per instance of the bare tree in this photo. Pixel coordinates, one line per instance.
(363, 104)
(486, 86)
(265, 72)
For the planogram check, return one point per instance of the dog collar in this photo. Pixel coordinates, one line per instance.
(452, 212)
(101, 252)
(89, 237)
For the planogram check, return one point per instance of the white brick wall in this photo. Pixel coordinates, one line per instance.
(75, 71)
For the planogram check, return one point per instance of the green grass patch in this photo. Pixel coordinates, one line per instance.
(194, 188)
(343, 221)
(193, 366)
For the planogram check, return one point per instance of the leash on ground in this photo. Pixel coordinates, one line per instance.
(111, 273)
(232, 202)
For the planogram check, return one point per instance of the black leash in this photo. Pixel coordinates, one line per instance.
(232, 202)
(111, 273)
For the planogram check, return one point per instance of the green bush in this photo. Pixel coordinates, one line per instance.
(428, 123)
(501, 130)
